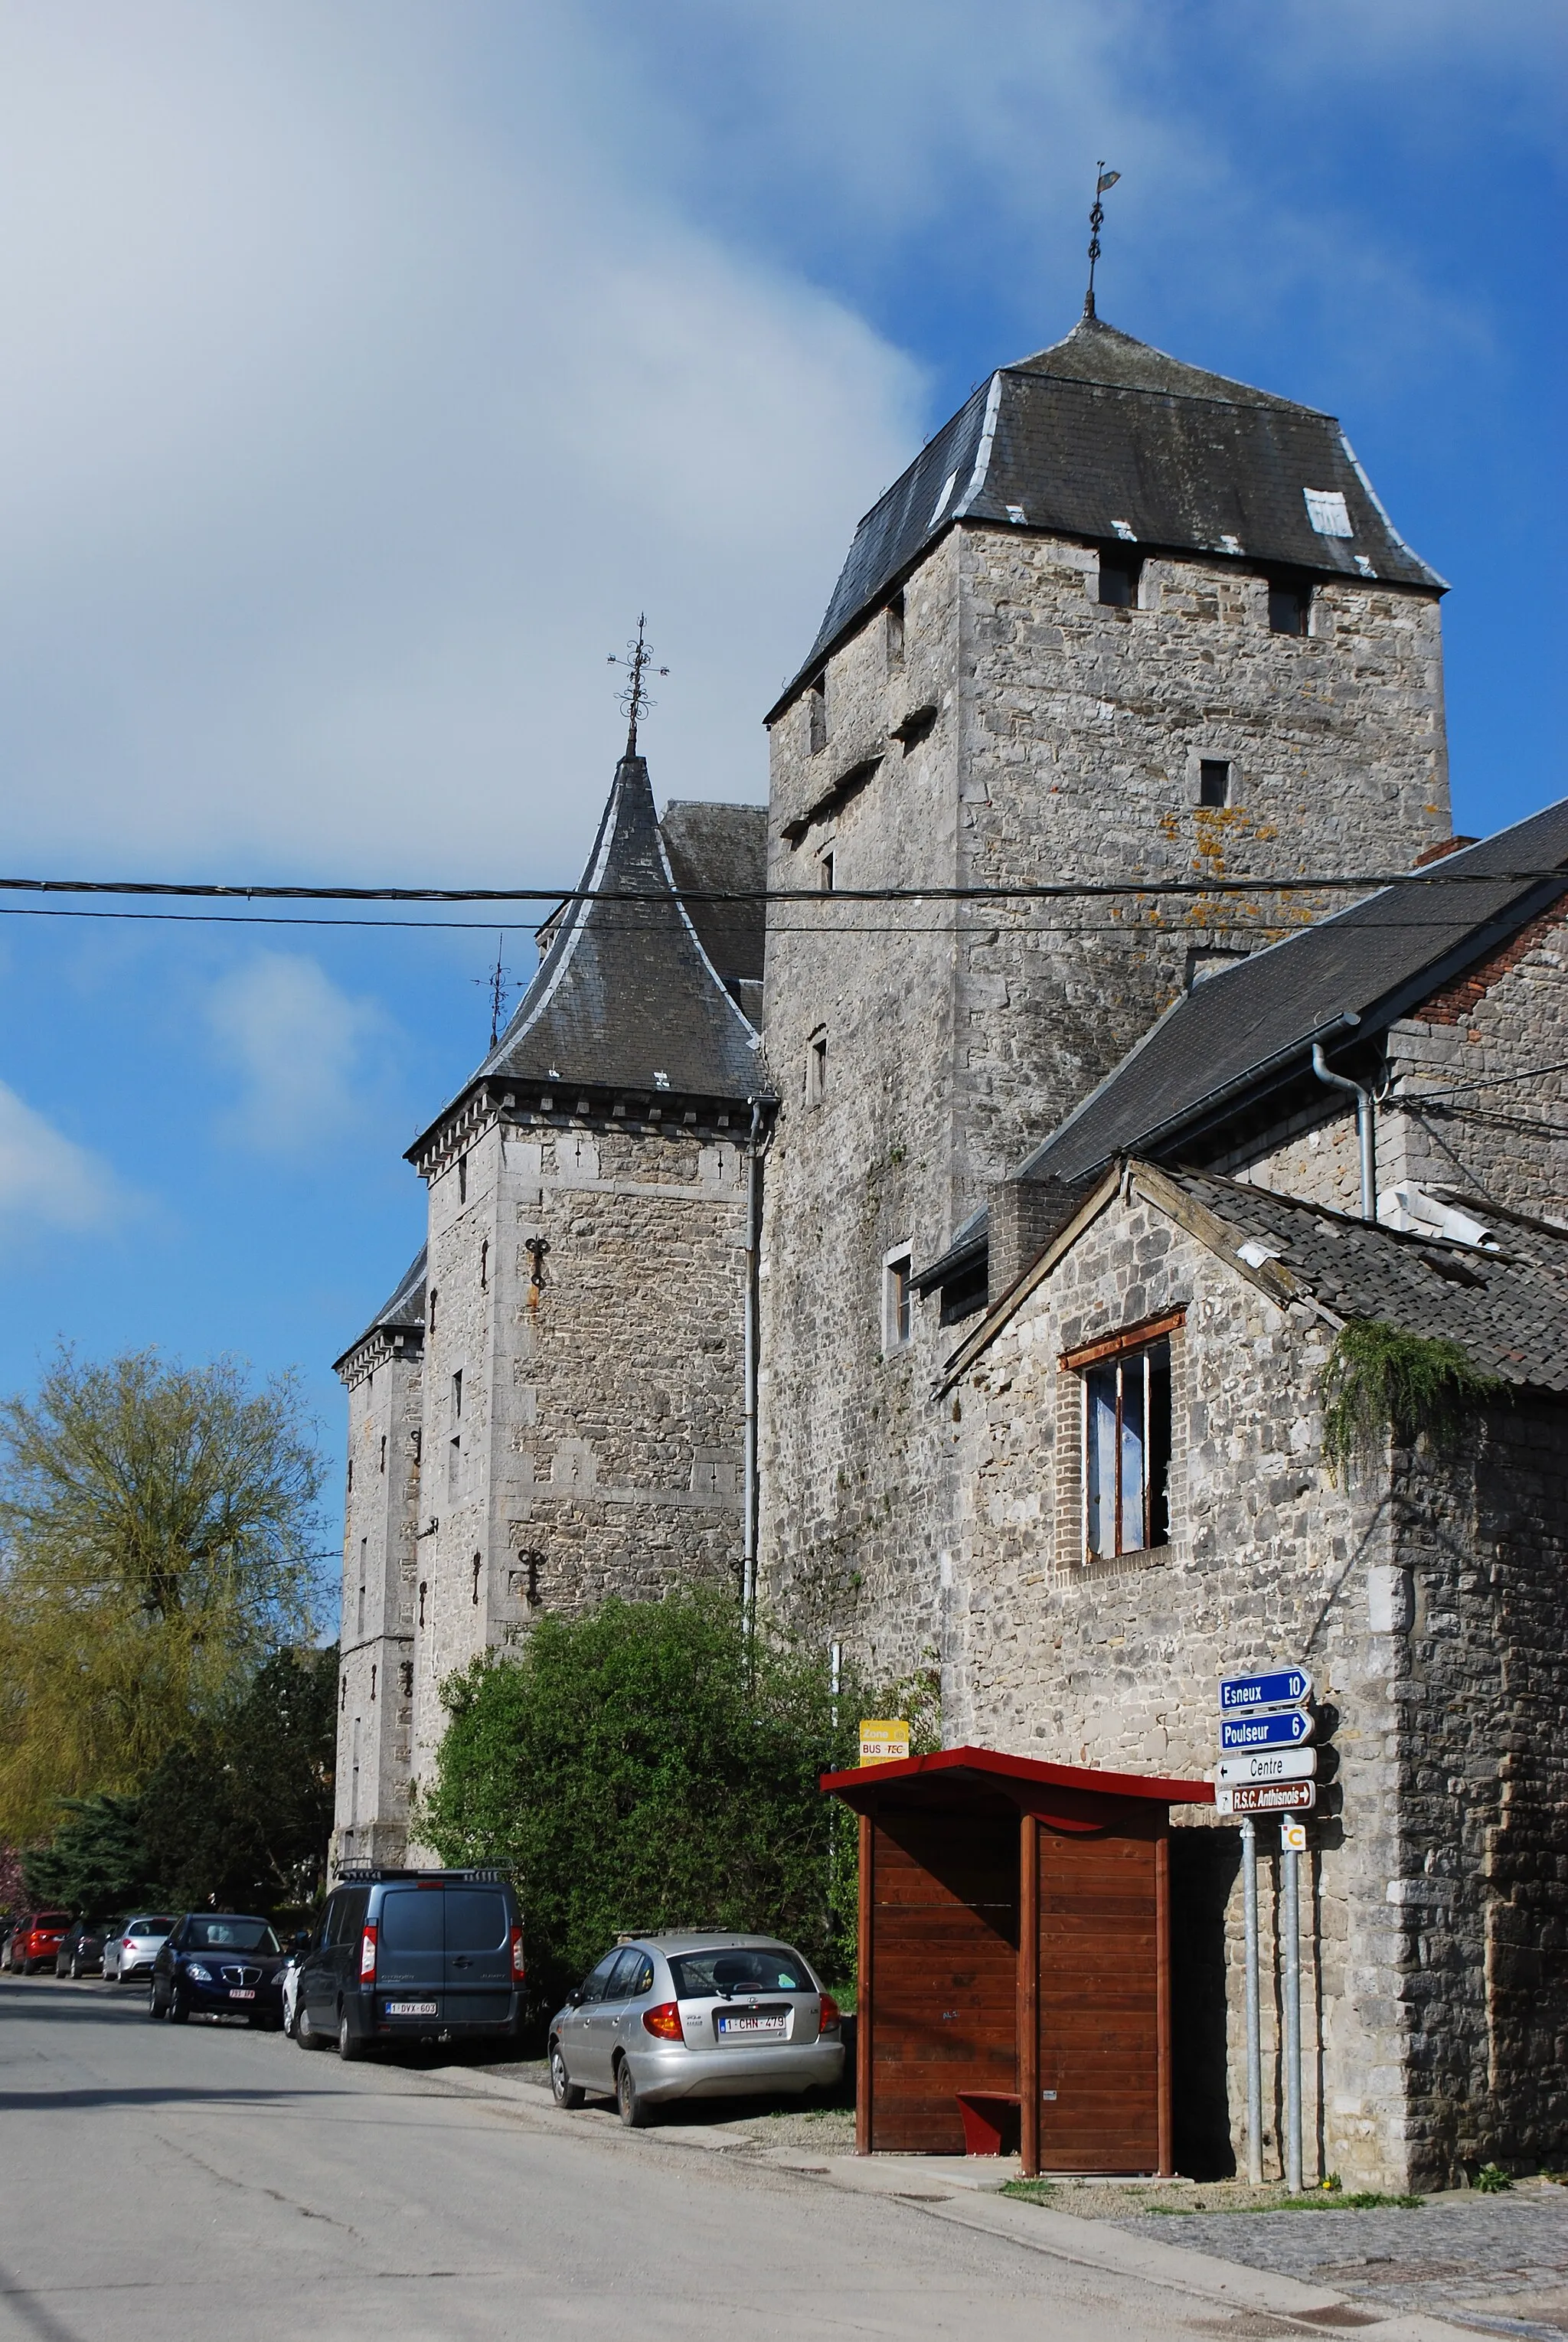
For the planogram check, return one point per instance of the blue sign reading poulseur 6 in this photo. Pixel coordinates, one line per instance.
(1278, 1731)
(1282, 1688)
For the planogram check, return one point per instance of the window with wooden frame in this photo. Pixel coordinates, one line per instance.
(1126, 1435)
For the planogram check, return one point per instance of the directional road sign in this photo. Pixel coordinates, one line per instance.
(1285, 1729)
(1268, 1798)
(1278, 1687)
(1268, 1765)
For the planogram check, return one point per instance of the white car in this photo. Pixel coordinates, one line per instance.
(129, 1954)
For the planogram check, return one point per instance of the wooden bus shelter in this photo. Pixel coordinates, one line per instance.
(1014, 1960)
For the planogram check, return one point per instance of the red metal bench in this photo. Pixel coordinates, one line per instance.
(991, 2121)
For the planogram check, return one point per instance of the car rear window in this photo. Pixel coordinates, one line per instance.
(475, 1919)
(149, 1926)
(411, 1920)
(706, 1976)
(229, 1936)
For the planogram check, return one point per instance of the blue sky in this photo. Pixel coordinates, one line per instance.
(369, 366)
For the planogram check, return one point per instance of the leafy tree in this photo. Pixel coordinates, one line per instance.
(640, 1769)
(242, 1810)
(96, 1862)
(157, 1540)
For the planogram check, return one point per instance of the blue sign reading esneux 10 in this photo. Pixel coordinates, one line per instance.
(1279, 1731)
(1284, 1688)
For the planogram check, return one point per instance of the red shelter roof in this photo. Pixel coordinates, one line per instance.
(989, 1768)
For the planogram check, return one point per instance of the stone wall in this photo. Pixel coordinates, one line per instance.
(599, 1425)
(376, 1618)
(1478, 1097)
(1026, 732)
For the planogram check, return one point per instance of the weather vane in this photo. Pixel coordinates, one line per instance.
(636, 698)
(1103, 180)
(497, 982)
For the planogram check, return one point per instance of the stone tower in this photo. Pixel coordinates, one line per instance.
(382, 1375)
(591, 1192)
(1121, 620)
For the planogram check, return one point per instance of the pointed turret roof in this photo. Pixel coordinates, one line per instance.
(1103, 437)
(626, 999)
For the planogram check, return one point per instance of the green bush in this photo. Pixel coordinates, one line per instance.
(641, 1769)
(1380, 1379)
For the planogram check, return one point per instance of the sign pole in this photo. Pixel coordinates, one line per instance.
(1255, 2044)
(1290, 1917)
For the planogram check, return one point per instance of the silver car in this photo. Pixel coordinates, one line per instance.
(695, 2016)
(130, 1951)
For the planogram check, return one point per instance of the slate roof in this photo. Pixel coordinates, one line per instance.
(719, 849)
(404, 1314)
(626, 999)
(1103, 437)
(1507, 1309)
(1253, 1025)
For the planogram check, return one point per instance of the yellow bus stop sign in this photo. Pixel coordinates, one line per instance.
(884, 1740)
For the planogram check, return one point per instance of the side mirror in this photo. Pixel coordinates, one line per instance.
(574, 1997)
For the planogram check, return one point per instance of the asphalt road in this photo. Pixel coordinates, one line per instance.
(209, 2182)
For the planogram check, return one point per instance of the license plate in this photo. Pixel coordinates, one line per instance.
(411, 2008)
(751, 2028)
(237, 1992)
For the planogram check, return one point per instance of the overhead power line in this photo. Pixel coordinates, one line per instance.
(1042, 890)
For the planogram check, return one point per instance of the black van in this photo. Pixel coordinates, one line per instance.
(412, 1955)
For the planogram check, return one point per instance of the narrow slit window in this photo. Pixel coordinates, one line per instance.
(463, 1178)
(816, 714)
(826, 868)
(897, 1305)
(457, 1396)
(1127, 1453)
(816, 1069)
(1213, 781)
(383, 1451)
(895, 633)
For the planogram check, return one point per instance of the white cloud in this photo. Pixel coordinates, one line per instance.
(345, 426)
(47, 1180)
(304, 1053)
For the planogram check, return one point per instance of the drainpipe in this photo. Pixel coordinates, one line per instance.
(749, 1500)
(1366, 1127)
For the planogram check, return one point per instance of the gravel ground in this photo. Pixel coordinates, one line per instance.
(825, 2130)
(1497, 2263)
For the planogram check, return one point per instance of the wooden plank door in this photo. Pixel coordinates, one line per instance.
(1099, 2001)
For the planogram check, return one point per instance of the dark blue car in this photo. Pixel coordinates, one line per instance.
(219, 1963)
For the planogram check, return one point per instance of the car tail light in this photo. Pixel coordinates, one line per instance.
(830, 2019)
(519, 1966)
(127, 1943)
(367, 1955)
(664, 2022)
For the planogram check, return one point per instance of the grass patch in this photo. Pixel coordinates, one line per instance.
(1323, 2201)
(1031, 2191)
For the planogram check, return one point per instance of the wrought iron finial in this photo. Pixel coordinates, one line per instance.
(1103, 180)
(636, 699)
(498, 982)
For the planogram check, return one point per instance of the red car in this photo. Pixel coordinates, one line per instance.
(38, 1936)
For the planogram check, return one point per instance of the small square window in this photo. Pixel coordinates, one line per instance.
(897, 1301)
(1118, 581)
(816, 1069)
(1290, 605)
(1213, 781)
(816, 714)
(1127, 1453)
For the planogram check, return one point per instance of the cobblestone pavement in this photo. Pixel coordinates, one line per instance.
(1497, 2263)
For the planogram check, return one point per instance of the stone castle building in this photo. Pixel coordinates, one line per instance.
(1010, 1370)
